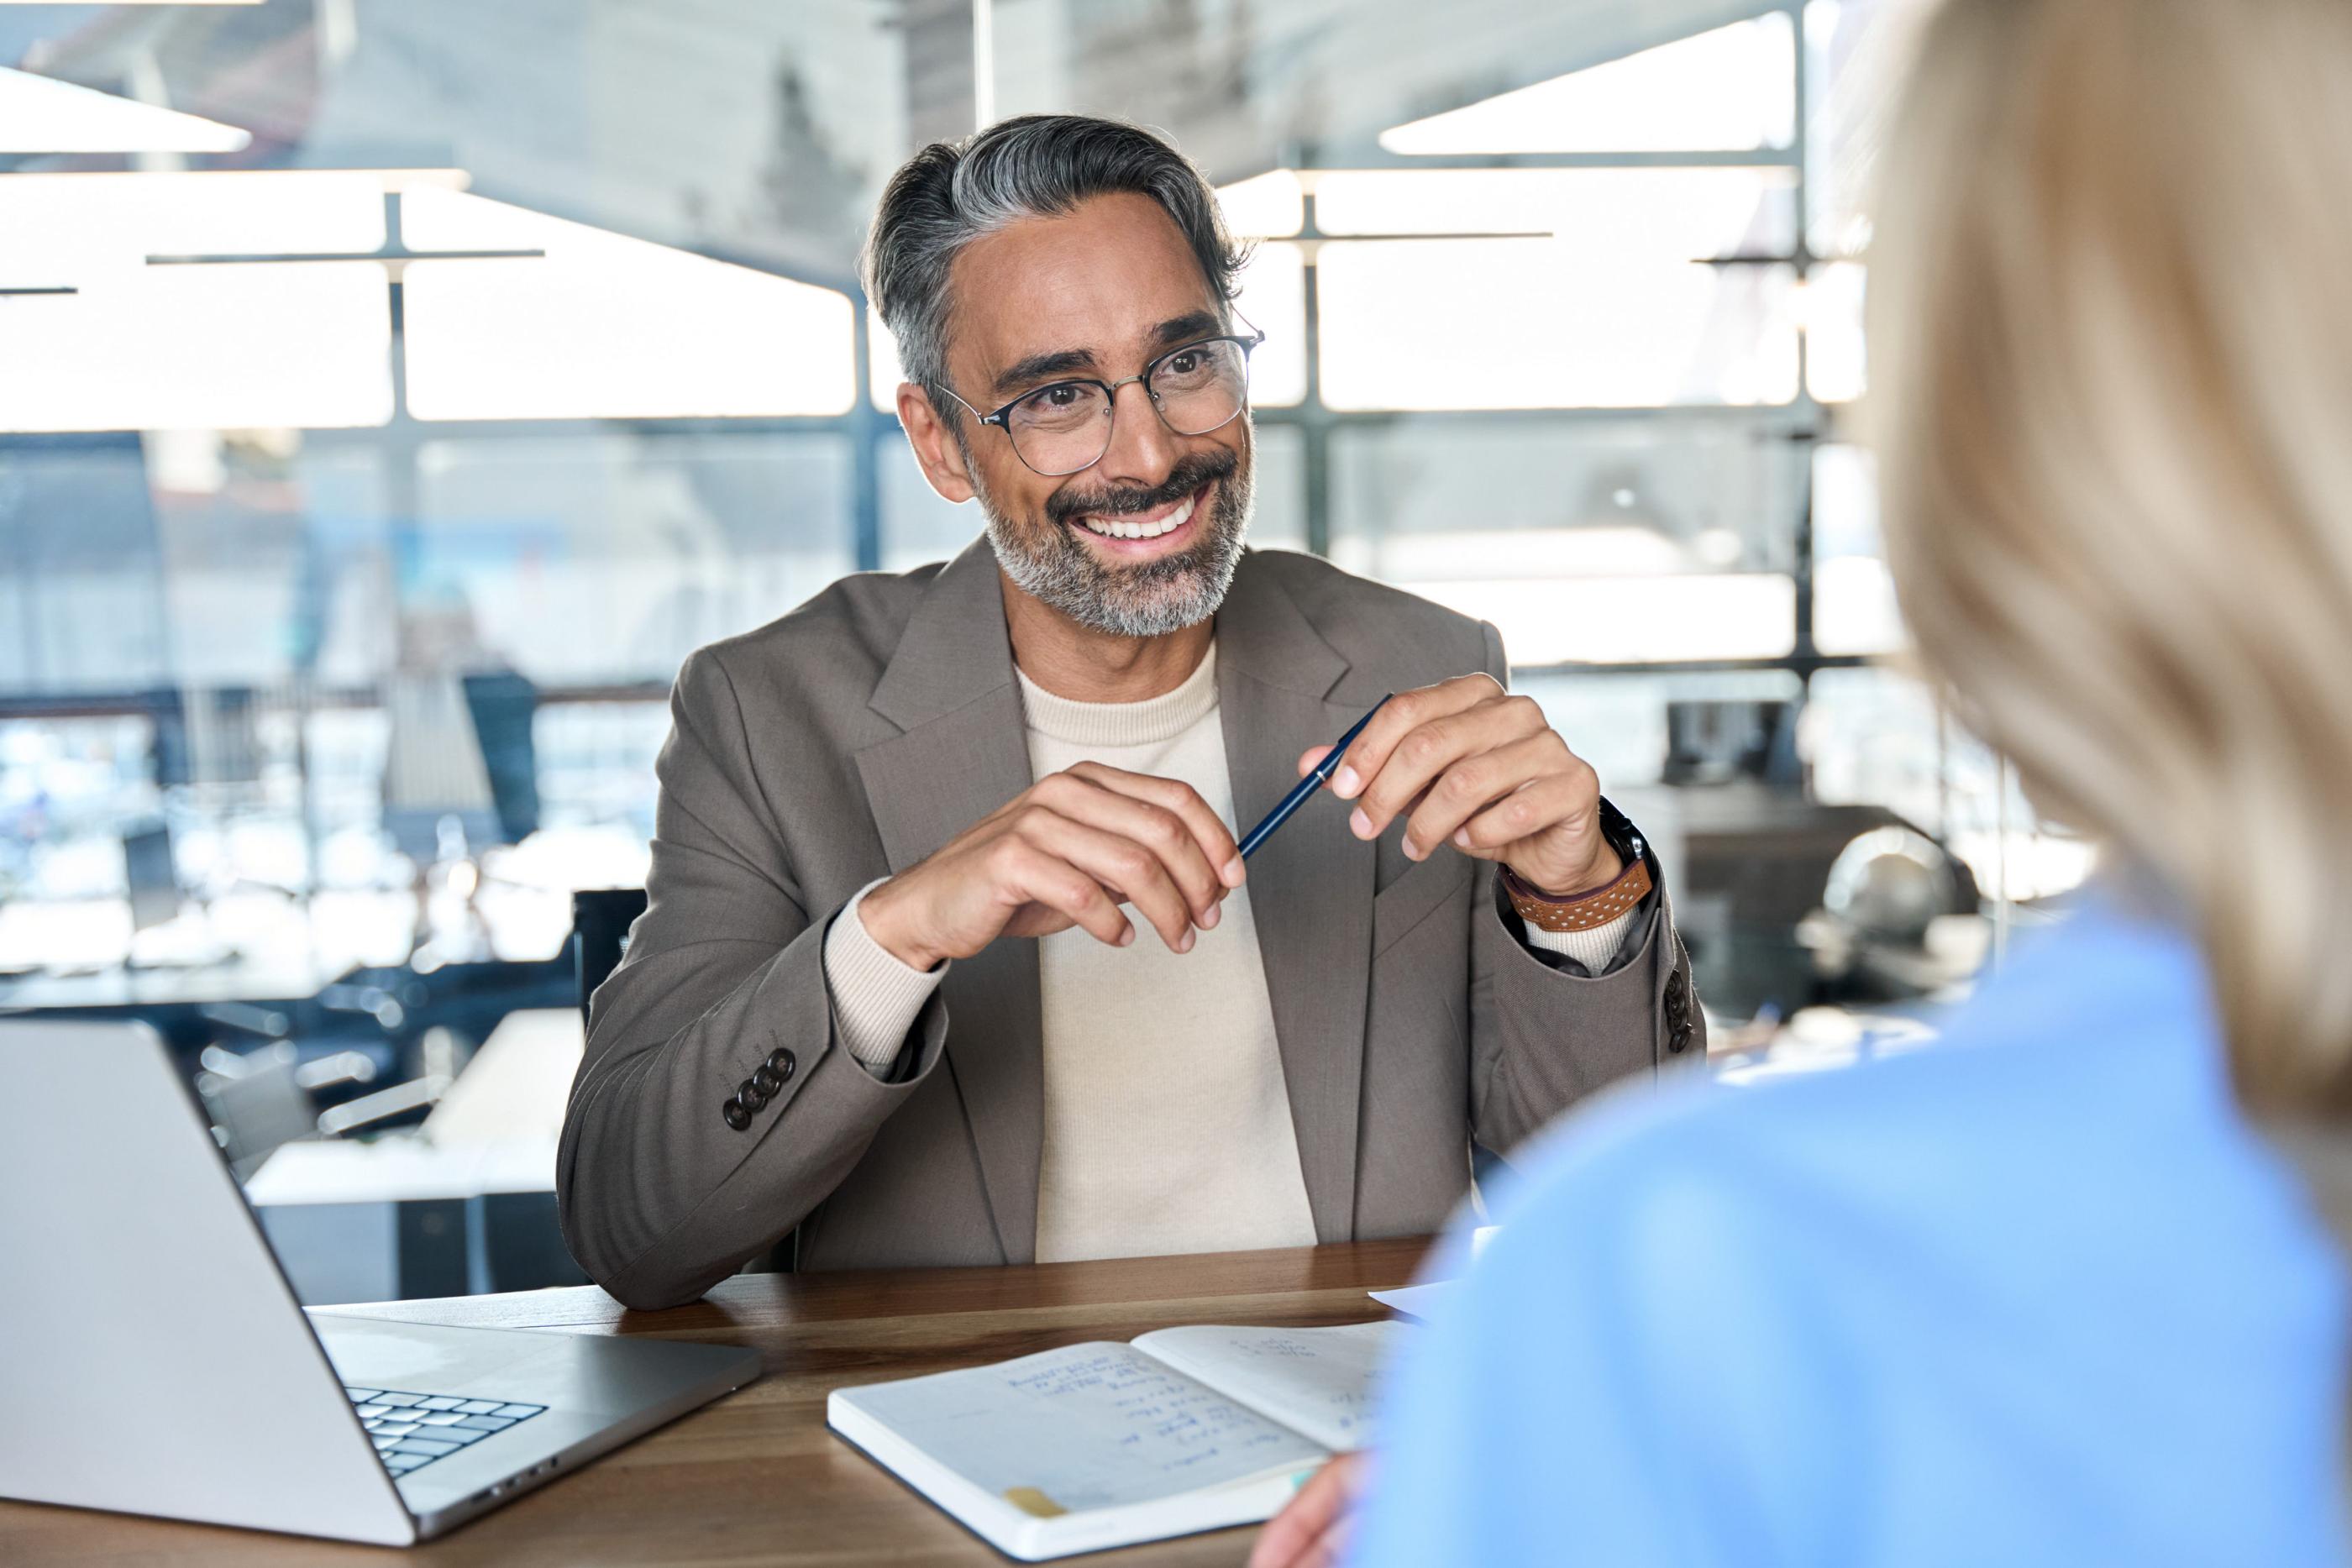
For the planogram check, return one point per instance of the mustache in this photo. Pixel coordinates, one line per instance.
(1191, 471)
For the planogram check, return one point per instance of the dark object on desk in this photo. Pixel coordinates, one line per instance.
(1755, 864)
(601, 918)
(1306, 788)
(154, 881)
(1874, 939)
(1720, 742)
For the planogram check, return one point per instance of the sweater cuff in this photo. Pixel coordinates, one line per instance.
(876, 995)
(1596, 949)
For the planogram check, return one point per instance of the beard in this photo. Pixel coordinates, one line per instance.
(1047, 560)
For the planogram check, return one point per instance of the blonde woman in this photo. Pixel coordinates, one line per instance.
(2049, 1293)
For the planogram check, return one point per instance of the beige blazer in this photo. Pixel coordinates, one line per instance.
(853, 736)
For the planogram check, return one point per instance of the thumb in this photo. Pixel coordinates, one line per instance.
(1313, 755)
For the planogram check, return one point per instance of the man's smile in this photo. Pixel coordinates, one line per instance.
(1136, 535)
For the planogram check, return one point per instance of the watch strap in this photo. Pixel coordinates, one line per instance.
(1579, 911)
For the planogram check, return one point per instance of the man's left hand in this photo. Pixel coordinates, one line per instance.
(1466, 762)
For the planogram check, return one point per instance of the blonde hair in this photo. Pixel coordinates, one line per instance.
(2111, 318)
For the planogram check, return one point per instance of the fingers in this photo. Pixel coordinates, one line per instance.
(1301, 1533)
(1416, 758)
(1036, 876)
(1215, 841)
(1399, 717)
(1571, 799)
(1472, 784)
(1129, 870)
(1167, 836)
(1308, 759)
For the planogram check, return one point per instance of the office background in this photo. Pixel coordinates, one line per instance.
(393, 395)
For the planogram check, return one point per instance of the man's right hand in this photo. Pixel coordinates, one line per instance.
(1068, 851)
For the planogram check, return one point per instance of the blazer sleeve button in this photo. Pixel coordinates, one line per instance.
(781, 1062)
(766, 1080)
(736, 1114)
(749, 1093)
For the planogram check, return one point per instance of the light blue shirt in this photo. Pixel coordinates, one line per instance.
(2033, 1295)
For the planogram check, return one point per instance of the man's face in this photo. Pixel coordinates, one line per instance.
(1099, 293)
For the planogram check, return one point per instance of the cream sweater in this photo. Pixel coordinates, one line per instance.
(1167, 1121)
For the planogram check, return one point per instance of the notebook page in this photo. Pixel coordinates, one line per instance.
(1088, 1426)
(1315, 1381)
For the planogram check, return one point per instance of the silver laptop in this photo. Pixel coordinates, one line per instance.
(152, 1359)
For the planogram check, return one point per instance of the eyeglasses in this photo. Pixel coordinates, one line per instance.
(1066, 426)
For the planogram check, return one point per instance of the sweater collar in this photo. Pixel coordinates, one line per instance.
(1147, 723)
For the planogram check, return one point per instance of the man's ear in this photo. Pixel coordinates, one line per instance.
(935, 446)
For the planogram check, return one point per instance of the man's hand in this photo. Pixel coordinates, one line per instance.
(1311, 1530)
(1465, 763)
(1068, 850)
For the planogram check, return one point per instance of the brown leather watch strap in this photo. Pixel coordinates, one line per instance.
(1582, 911)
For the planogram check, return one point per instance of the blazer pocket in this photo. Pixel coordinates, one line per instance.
(1409, 900)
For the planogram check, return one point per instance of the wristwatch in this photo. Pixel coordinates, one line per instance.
(1595, 906)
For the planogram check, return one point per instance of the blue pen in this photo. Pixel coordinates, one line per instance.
(1308, 784)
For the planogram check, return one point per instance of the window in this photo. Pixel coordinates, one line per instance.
(599, 558)
(604, 327)
(1853, 595)
(1584, 541)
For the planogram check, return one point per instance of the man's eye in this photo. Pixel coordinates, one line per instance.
(1185, 364)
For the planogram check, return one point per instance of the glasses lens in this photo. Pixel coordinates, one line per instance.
(1061, 428)
(1203, 387)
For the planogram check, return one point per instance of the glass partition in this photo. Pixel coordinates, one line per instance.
(391, 396)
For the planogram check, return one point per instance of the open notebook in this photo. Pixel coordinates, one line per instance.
(1105, 1444)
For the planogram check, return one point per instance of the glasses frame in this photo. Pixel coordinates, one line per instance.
(1003, 417)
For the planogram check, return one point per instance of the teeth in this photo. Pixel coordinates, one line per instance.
(1117, 529)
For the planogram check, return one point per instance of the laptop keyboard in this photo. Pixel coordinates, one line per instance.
(412, 1431)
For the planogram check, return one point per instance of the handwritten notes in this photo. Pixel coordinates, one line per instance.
(1318, 1382)
(1094, 1426)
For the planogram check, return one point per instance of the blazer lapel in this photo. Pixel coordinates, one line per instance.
(962, 753)
(1281, 689)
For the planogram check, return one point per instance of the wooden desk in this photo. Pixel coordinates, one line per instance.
(757, 1477)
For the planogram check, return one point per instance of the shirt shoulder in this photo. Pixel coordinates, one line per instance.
(2049, 1234)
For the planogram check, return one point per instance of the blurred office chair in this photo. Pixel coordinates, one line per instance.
(502, 705)
(601, 918)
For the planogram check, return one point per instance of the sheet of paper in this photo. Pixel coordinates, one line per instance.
(1320, 1382)
(1418, 1304)
(1088, 1426)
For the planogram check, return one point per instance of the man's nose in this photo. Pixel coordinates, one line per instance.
(1143, 451)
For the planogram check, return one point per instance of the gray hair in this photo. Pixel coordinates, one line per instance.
(1037, 165)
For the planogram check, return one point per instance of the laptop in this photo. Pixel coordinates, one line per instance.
(153, 1359)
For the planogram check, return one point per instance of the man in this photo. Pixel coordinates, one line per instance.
(950, 957)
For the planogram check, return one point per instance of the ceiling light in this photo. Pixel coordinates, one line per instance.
(41, 115)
